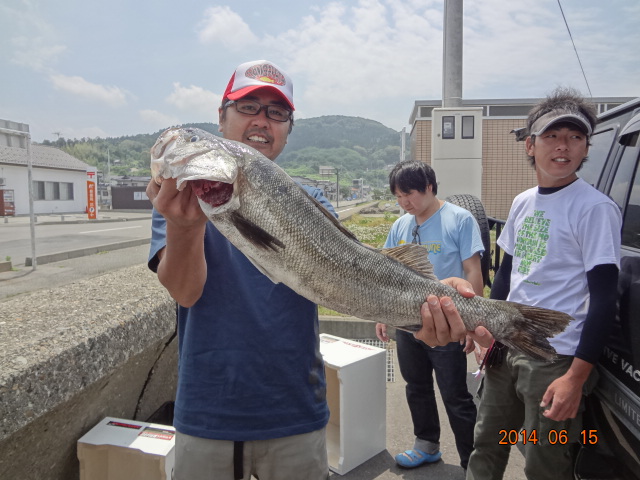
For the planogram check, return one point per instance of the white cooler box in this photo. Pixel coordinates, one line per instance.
(117, 449)
(356, 394)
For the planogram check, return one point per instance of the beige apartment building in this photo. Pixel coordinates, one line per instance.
(505, 169)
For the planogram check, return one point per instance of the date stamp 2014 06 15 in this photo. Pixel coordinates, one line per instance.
(554, 437)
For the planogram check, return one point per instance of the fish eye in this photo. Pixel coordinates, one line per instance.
(195, 138)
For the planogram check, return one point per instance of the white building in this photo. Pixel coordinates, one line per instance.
(59, 180)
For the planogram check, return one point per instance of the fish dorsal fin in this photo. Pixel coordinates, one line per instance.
(413, 256)
(330, 216)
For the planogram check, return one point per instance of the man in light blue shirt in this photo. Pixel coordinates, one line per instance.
(452, 239)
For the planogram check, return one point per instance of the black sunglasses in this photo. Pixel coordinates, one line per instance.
(416, 234)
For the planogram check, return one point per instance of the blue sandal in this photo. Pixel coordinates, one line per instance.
(415, 458)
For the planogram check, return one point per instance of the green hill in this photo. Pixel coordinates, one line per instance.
(358, 147)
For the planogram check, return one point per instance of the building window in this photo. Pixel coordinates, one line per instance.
(38, 190)
(467, 126)
(52, 190)
(66, 191)
(448, 126)
(425, 112)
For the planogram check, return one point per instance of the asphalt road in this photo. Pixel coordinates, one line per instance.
(50, 237)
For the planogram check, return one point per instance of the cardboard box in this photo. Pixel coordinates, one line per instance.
(356, 393)
(117, 449)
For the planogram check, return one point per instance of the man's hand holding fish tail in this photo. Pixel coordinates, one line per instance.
(441, 321)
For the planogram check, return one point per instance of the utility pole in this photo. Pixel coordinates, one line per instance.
(452, 55)
(337, 188)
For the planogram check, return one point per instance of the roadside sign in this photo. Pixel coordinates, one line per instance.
(91, 196)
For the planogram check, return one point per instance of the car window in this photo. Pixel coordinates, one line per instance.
(627, 172)
(624, 177)
(601, 143)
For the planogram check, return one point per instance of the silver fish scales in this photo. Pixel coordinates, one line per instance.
(293, 240)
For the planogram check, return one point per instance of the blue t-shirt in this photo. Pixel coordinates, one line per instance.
(451, 235)
(250, 366)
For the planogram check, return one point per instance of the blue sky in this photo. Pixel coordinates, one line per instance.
(97, 69)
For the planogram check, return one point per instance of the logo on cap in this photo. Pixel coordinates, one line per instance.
(266, 73)
(251, 76)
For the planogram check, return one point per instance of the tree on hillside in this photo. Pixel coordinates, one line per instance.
(360, 147)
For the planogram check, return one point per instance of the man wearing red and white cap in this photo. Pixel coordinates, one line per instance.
(251, 394)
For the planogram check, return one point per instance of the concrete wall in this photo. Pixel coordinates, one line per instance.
(72, 355)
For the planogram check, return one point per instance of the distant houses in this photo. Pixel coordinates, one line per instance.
(59, 180)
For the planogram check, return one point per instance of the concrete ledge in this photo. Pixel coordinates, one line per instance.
(70, 356)
(351, 327)
(81, 252)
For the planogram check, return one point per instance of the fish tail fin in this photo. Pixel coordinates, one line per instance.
(532, 330)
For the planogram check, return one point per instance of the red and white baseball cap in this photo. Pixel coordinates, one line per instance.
(251, 76)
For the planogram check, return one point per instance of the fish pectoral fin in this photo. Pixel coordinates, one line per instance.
(328, 214)
(256, 235)
(263, 271)
(413, 256)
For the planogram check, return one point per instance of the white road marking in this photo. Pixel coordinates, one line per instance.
(111, 229)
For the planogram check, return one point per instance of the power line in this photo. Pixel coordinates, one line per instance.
(575, 49)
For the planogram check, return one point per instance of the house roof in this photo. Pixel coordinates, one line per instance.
(42, 157)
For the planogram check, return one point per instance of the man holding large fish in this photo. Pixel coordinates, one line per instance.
(251, 386)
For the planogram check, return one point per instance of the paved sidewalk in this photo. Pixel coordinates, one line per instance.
(400, 437)
(104, 216)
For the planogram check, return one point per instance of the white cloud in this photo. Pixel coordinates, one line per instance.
(221, 24)
(36, 53)
(112, 96)
(158, 120)
(195, 100)
(374, 50)
(356, 57)
(31, 41)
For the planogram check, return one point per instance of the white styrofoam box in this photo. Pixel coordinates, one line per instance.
(356, 394)
(117, 449)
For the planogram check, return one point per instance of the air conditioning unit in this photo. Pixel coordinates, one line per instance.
(3, 181)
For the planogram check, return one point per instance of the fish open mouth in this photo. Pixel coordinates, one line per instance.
(212, 192)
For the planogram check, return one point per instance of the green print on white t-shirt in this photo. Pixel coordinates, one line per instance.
(531, 241)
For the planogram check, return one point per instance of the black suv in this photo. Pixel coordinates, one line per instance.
(612, 419)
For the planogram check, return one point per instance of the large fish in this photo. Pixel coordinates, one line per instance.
(292, 239)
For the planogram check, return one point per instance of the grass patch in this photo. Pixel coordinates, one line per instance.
(371, 230)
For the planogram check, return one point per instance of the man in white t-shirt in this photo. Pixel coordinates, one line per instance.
(562, 251)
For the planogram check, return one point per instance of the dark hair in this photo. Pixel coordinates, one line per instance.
(412, 175)
(224, 107)
(568, 100)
